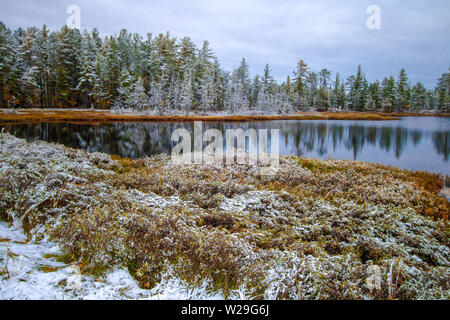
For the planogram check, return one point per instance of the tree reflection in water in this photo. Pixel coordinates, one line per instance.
(425, 139)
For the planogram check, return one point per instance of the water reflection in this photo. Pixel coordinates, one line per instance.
(421, 143)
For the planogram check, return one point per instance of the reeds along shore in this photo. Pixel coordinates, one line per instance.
(93, 116)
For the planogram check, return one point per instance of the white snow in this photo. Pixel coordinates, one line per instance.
(23, 276)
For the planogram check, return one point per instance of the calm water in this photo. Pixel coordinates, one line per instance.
(418, 143)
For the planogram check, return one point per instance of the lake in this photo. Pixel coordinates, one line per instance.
(417, 143)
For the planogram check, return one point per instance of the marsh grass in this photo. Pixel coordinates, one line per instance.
(309, 231)
(96, 116)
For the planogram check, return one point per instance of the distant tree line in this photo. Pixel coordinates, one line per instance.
(66, 68)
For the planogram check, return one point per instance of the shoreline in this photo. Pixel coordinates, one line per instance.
(105, 116)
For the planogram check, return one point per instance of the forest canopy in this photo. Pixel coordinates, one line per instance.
(161, 74)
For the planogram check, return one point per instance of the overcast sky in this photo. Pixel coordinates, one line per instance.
(326, 34)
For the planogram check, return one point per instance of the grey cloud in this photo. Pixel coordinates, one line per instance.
(331, 34)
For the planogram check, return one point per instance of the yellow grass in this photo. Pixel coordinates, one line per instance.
(101, 116)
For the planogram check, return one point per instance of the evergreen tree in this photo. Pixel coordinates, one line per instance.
(242, 75)
(254, 92)
(89, 48)
(267, 80)
(64, 68)
(187, 96)
(375, 97)
(443, 92)
(402, 91)
(238, 96)
(312, 82)
(389, 94)
(359, 91)
(300, 77)
(335, 103)
(68, 67)
(323, 99)
(419, 97)
(6, 62)
(288, 90)
(138, 99)
(324, 78)
(208, 94)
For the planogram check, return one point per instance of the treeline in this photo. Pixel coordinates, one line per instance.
(66, 68)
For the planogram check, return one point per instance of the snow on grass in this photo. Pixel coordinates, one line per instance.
(30, 271)
(89, 226)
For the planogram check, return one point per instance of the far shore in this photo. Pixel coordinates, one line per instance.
(104, 116)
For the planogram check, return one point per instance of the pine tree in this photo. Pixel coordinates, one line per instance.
(323, 99)
(26, 70)
(187, 96)
(6, 62)
(443, 92)
(324, 78)
(85, 86)
(419, 97)
(121, 101)
(242, 74)
(335, 93)
(267, 80)
(312, 83)
(208, 95)
(364, 96)
(324, 96)
(389, 94)
(158, 95)
(68, 67)
(375, 97)
(186, 52)
(41, 62)
(342, 97)
(300, 77)
(402, 91)
(107, 73)
(64, 68)
(288, 90)
(359, 91)
(254, 92)
(238, 96)
(138, 99)
(262, 100)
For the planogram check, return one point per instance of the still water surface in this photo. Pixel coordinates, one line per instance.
(417, 143)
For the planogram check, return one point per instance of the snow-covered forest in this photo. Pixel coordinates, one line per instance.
(162, 74)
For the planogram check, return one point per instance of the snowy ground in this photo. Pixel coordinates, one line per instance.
(30, 270)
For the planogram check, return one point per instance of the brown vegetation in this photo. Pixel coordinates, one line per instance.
(309, 230)
(98, 116)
